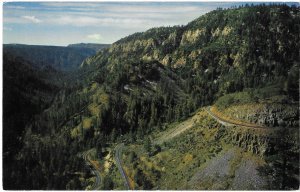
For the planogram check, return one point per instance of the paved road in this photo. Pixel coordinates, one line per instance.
(93, 169)
(118, 151)
(231, 123)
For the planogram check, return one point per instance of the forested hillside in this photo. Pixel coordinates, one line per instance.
(60, 58)
(237, 49)
(27, 91)
(149, 81)
(94, 46)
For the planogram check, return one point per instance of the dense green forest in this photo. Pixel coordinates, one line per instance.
(26, 92)
(139, 85)
(60, 58)
(96, 47)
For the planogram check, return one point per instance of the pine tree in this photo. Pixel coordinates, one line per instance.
(283, 162)
(147, 145)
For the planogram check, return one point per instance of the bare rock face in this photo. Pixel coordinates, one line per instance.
(248, 139)
(270, 115)
(280, 117)
(276, 116)
(191, 36)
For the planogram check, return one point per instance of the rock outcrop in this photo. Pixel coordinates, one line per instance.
(271, 115)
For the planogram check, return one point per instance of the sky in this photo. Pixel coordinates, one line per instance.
(63, 23)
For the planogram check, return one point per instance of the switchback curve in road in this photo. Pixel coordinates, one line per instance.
(94, 170)
(231, 123)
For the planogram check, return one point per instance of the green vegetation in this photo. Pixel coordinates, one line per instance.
(26, 92)
(282, 161)
(60, 58)
(96, 47)
(272, 94)
(107, 183)
(183, 159)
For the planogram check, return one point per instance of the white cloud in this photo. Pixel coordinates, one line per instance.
(13, 7)
(84, 21)
(75, 21)
(32, 19)
(7, 29)
(152, 9)
(69, 4)
(96, 37)
(132, 7)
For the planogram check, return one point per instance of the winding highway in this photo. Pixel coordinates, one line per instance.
(181, 128)
(93, 169)
(118, 154)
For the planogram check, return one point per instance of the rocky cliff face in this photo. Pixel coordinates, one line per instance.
(276, 116)
(250, 140)
(280, 116)
(271, 115)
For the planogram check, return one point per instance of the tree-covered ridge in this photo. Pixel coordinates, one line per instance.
(58, 57)
(96, 47)
(222, 52)
(221, 29)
